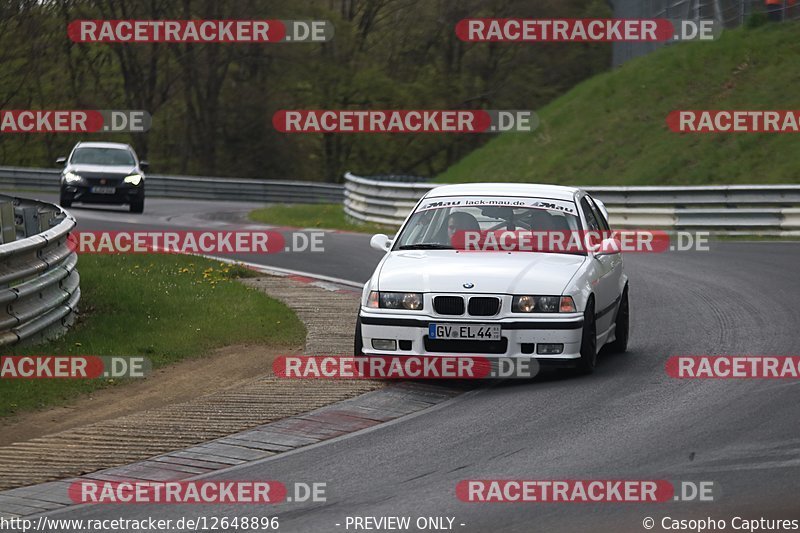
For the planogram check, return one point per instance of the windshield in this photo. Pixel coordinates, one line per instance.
(103, 156)
(436, 221)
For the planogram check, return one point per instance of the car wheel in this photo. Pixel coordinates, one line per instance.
(64, 201)
(137, 206)
(622, 330)
(358, 342)
(588, 358)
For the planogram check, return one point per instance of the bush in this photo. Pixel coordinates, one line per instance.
(756, 20)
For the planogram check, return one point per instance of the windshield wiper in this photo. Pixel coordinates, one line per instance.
(426, 246)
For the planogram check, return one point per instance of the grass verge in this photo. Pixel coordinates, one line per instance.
(164, 307)
(325, 216)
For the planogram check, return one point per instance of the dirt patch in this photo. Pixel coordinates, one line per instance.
(173, 384)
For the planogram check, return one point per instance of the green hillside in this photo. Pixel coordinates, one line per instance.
(611, 129)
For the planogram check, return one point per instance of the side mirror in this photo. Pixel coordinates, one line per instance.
(144, 165)
(61, 160)
(608, 246)
(380, 242)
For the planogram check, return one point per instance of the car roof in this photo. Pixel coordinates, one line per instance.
(119, 146)
(556, 192)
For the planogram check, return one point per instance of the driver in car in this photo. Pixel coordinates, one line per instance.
(460, 221)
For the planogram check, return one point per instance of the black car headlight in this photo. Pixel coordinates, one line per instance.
(72, 178)
(133, 179)
(411, 301)
(542, 304)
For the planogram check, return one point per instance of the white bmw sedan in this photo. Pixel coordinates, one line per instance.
(559, 305)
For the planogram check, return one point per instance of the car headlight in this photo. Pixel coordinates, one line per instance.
(542, 304)
(71, 177)
(411, 301)
(133, 179)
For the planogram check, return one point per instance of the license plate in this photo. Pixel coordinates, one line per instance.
(104, 190)
(475, 332)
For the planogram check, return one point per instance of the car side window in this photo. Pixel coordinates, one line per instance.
(598, 214)
(591, 220)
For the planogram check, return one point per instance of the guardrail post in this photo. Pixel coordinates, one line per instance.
(30, 221)
(8, 229)
(46, 219)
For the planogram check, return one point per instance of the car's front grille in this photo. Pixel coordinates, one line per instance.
(449, 305)
(465, 346)
(483, 306)
(97, 178)
(109, 182)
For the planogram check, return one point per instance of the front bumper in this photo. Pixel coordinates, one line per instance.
(520, 337)
(123, 194)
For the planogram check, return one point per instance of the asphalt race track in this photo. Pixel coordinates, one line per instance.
(627, 421)
(353, 258)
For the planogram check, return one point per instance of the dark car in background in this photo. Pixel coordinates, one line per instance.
(103, 173)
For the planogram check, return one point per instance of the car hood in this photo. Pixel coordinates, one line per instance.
(490, 272)
(122, 170)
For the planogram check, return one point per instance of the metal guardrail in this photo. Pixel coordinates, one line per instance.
(192, 187)
(39, 282)
(730, 209)
(722, 209)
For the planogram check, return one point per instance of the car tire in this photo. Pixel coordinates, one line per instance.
(137, 206)
(623, 325)
(64, 201)
(588, 358)
(358, 342)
